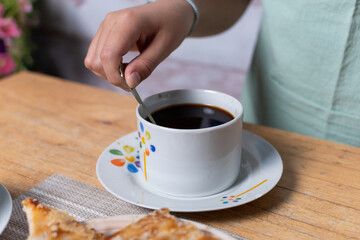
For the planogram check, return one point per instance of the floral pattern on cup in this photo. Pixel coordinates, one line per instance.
(145, 137)
(131, 157)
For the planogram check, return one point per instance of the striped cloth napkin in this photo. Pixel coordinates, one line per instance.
(81, 200)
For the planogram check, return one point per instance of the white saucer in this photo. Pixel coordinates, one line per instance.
(261, 169)
(5, 207)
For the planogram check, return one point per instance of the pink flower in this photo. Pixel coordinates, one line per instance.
(8, 28)
(7, 64)
(25, 6)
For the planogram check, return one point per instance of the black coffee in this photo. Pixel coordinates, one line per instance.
(190, 116)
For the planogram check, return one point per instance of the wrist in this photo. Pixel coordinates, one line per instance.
(188, 9)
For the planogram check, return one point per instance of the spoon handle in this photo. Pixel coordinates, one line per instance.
(135, 94)
(137, 97)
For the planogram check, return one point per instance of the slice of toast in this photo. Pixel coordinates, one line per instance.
(160, 225)
(47, 223)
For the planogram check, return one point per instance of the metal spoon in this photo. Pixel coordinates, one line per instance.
(135, 93)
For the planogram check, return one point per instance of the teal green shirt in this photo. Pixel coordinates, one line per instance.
(305, 74)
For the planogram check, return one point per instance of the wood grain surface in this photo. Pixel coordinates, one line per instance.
(50, 125)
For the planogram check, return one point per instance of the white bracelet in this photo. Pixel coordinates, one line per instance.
(196, 12)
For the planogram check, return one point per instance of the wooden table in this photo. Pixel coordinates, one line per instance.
(49, 125)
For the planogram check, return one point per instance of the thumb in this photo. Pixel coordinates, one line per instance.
(144, 64)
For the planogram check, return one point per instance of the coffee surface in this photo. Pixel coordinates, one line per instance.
(190, 116)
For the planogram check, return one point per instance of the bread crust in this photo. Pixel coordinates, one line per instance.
(161, 225)
(53, 224)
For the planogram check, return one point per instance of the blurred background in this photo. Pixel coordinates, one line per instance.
(58, 34)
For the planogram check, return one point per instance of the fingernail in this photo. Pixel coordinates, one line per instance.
(134, 79)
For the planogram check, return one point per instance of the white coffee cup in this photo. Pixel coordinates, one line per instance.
(190, 162)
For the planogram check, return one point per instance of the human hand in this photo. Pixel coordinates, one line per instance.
(155, 30)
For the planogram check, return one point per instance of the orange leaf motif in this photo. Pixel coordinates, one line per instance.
(118, 162)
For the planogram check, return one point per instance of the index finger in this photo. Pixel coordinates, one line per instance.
(120, 41)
